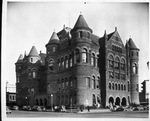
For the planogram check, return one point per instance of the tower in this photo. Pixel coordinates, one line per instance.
(51, 66)
(134, 74)
(85, 63)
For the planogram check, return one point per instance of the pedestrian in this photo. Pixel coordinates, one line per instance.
(88, 107)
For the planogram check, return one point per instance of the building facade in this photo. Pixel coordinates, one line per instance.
(79, 68)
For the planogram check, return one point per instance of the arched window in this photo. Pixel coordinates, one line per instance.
(66, 62)
(93, 82)
(63, 84)
(58, 64)
(62, 62)
(122, 65)
(77, 56)
(110, 62)
(109, 85)
(124, 87)
(116, 64)
(54, 49)
(70, 60)
(93, 59)
(98, 82)
(113, 86)
(34, 73)
(134, 68)
(29, 73)
(116, 86)
(84, 55)
(51, 64)
(128, 86)
(32, 90)
(71, 83)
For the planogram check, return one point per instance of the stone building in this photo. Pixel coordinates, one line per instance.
(78, 68)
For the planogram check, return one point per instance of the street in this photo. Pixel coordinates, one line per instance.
(121, 114)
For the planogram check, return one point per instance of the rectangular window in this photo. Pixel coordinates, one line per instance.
(110, 64)
(117, 75)
(111, 74)
(88, 82)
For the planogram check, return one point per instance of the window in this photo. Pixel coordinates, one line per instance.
(66, 61)
(54, 49)
(122, 65)
(98, 82)
(128, 86)
(94, 82)
(32, 90)
(116, 86)
(117, 75)
(94, 100)
(111, 75)
(31, 60)
(77, 56)
(93, 59)
(62, 62)
(122, 76)
(116, 64)
(110, 62)
(113, 87)
(63, 85)
(134, 68)
(109, 85)
(88, 82)
(124, 87)
(29, 73)
(81, 34)
(51, 63)
(84, 55)
(70, 57)
(34, 73)
(59, 86)
(58, 64)
(89, 35)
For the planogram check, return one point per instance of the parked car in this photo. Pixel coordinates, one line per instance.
(140, 108)
(38, 108)
(128, 108)
(15, 107)
(120, 108)
(135, 109)
(26, 108)
(8, 111)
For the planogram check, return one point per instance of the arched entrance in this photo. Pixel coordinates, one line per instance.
(45, 102)
(41, 103)
(117, 101)
(124, 102)
(36, 103)
(111, 100)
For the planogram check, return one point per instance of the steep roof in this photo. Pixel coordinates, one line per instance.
(131, 44)
(33, 52)
(81, 23)
(54, 38)
(20, 59)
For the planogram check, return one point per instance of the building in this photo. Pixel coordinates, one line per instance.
(144, 94)
(79, 68)
(10, 98)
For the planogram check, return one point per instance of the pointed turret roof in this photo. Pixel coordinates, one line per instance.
(33, 52)
(131, 44)
(81, 23)
(20, 59)
(54, 38)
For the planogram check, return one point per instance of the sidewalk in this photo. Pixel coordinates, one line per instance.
(86, 111)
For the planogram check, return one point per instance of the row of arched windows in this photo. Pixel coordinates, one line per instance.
(67, 99)
(93, 82)
(116, 86)
(79, 56)
(65, 84)
(116, 63)
(32, 73)
(116, 48)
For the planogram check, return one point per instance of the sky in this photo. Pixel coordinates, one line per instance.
(32, 23)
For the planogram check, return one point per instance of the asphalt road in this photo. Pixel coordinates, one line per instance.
(122, 114)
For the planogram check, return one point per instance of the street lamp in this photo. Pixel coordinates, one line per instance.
(52, 102)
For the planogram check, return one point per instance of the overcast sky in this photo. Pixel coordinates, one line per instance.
(31, 24)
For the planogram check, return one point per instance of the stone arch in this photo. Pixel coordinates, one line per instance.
(124, 101)
(41, 102)
(45, 102)
(111, 100)
(117, 101)
(36, 102)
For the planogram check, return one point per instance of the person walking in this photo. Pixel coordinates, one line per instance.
(88, 107)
